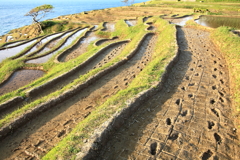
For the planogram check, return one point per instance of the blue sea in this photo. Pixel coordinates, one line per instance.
(12, 11)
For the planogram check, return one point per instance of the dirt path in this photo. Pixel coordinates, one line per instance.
(190, 118)
(37, 137)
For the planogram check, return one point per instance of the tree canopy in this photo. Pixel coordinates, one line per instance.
(40, 10)
(128, 1)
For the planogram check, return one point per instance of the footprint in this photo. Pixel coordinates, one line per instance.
(60, 134)
(222, 82)
(178, 101)
(190, 95)
(215, 112)
(221, 93)
(153, 148)
(214, 76)
(191, 84)
(168, 121)
(206, 155)
(212, 101)
(210, 124)
(214, 87)
(184, 113)
(173, 136)
(183, 88)
(221, 100)
(217, 138)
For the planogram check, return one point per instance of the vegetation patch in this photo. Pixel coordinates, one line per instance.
(228, 43)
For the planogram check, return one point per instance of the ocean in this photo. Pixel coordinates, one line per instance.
(12, 11)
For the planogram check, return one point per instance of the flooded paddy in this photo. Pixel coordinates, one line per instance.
(19, 79)
(217, 21)
(131, 22)
(67, 43)
(80, 48)
(43, 41)
(9, 52)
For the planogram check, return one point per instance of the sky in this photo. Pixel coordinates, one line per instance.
(49, 1)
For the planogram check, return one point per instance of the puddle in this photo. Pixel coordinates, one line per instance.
(6, 53)
(217, 21)
(67, 43)
(19, 79)
(14, 43)
(131, 22)
(42, 42)
(81, 48)
(110, 27)
(51, 44)
(182, 21)
(9, 38)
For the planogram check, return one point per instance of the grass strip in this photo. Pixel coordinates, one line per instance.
(228, 43)
(164, 51)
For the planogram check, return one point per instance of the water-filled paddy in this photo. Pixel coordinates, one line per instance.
(19, 79)
(217, 21)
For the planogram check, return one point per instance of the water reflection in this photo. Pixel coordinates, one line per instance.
(9, 52)
(67, 43)
(217, 21)
(20, 79)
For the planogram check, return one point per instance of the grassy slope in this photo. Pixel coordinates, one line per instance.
(220, 7)
(71, 144)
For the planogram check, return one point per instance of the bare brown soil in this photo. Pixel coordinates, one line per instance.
(38, 136)
(190, 118)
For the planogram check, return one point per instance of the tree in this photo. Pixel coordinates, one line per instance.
(37, 11)
(127, 1)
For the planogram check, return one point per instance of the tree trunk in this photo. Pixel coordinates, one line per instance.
(38, 24)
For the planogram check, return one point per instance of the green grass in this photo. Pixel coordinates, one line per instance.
(50, 26)
(229, 46)
(215, 7)
(8, 66)
(164, 51)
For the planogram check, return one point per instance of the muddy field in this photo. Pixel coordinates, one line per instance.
(190, 118)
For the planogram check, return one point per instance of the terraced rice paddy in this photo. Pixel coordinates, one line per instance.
(163, 91)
